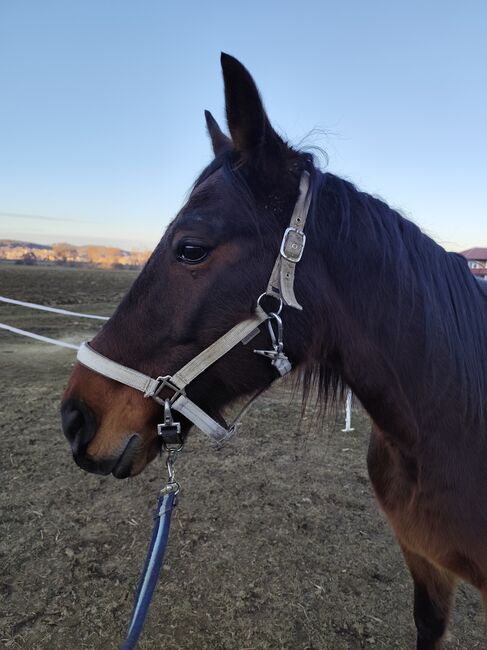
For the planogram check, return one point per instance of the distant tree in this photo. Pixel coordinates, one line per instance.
(111, 257)
(104, 256)
(139, 258)
(64, 252)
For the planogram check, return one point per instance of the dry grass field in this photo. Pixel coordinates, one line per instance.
(277, 542)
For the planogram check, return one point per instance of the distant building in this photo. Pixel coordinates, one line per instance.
(477, 262)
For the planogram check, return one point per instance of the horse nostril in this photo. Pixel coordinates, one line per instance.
(79, 423)
(72, 423)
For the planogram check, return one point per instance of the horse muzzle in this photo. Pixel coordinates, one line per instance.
(80, 427)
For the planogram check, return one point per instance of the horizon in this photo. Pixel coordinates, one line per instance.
(70, 243)
(102, 123)
(79, 240)
(134, 249)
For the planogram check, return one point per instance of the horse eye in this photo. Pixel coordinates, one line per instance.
(192, 254)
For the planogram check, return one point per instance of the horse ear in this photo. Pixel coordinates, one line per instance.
(248, 123)
(219, 140)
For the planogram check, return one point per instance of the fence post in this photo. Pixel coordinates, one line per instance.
(348, 412)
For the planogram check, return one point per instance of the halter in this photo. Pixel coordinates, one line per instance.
(279, 287)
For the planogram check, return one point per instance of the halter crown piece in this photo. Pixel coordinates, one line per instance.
(280, 287)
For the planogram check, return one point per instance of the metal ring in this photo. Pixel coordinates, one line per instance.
(269, 295)
(273, 314)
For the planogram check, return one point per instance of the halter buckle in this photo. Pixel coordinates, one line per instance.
(164, 382)
(292, 245)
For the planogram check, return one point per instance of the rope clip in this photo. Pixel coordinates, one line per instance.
(172, 443)
(277, 356)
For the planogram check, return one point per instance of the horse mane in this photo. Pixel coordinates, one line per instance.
(409, 269)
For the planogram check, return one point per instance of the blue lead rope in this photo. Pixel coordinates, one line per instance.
(152, 567)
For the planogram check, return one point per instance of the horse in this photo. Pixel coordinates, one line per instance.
(382, 309)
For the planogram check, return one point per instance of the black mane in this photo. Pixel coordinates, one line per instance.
(393, 272)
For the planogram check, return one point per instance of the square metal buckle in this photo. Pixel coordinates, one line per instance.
(165, 382)
(292, 245)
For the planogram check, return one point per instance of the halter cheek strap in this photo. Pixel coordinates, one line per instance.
(281, 282)
(280, 286)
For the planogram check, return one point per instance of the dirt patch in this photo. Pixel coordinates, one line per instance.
(277, 542)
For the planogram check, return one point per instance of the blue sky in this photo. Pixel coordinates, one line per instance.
(101, 106)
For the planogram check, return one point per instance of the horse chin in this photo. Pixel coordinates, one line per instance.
(135, 457)
(141, 448)
(128, 458)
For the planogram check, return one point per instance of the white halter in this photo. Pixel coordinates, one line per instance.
(280, 287)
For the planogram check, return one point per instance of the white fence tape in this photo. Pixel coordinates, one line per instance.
(39, 337)
(55, 310)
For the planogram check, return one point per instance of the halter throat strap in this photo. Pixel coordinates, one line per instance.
(280, 286)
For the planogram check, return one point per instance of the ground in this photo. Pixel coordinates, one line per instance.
(277, 542)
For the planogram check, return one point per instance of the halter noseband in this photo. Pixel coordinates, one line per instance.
(280, 287)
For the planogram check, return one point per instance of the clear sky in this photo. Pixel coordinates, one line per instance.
(101, 106)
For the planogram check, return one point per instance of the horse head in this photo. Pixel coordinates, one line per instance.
(203, 278)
